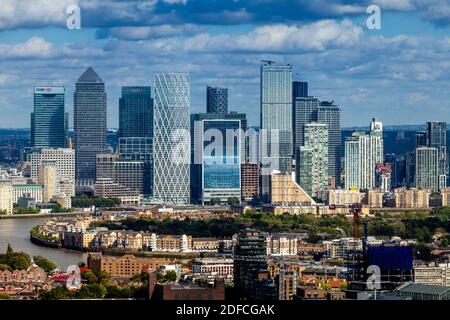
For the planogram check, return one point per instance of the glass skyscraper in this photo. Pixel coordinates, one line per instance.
(136, 130)
(48, 121)
(276, 121)
(216, 100)
(216, 141)
(437, 138)
(330, 114)
(427, 173)
(136, 112)
(299, 89)
(171, 147)
(89, 123)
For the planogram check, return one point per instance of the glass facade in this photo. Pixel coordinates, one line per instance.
(136, 112)
(222, 166)
(171, 147)
(48, 121)
(276, 121)
(216, 100)
(89, 123)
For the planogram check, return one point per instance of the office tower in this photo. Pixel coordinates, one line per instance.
(139, 149)
(48, 121)
(216, 100)
(89, 124)
(305, 111)
(421, 139)
(276, 122)
(48, 178)
(427, 172)
(136, 130)
(410, 169)
(299, 90)
(330, 114)
(65, 164)
(312, 169)
(362, 153)
(171, 149)
(217, 151)
(104, 167)
(6, 198)
(377, 146)
(136, 112)
(249, 260)
(250, 181)
(437, 138)
(130, 174)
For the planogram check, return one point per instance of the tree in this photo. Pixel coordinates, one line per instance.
(91, 291)
(89, 277)
(9, 250)
(4, 267)
(4, 296)
(44, 263)
(58, 293)
(104, 279)
(233, 201)
(214, 201)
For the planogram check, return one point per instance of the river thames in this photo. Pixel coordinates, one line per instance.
(17, 233)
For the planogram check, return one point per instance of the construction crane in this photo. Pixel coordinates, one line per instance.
(269, 62)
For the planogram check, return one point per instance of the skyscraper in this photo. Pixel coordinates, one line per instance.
(305, 111)
(136, 130)
(437, 138)
(312, 171)
(421, 139)
(136, 112)
(330, 114)
(215, 169)
(48, 119)
(362, 153)
(171, 148)
(427, 172)
(216, 100)
(276, 122)
(89, 123)
(48, 177)
(299, 90)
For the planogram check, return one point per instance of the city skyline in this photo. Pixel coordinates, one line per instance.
(329, 46)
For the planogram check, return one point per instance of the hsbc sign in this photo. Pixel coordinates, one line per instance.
(49, 90)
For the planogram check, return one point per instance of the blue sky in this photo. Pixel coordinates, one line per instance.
(399, 74)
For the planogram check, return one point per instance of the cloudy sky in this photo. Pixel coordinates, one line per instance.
(399, 74)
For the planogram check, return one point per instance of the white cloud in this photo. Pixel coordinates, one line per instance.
(35, 47)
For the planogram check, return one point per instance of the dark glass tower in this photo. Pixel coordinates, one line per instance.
(136, 130)
(136, 112)
(299, 89)
(216, 100)
(89, 123)
(48, 119)
(330, 114)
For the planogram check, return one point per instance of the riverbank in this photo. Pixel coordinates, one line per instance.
(43, 215)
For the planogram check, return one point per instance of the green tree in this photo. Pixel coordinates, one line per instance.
(4, 267)
(91, 291)
(9, 250)
(89, 277)
(44, 263)
(214, 201)
(58, 293)
(104, 279)
(19, 261)
(4, 296)
(233, 201)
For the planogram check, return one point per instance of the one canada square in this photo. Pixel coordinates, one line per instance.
(171, 149)
(89, 124)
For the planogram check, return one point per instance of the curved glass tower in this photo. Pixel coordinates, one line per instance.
(171, 175)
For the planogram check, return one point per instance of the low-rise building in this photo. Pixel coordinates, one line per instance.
(417, 291)
(375, 198)
(341, 197)
(219, 267)
(412, 198)
(433, 274)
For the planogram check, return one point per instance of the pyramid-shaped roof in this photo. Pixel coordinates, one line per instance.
(90, 76)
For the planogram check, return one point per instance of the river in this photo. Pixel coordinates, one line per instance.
(17, 233)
